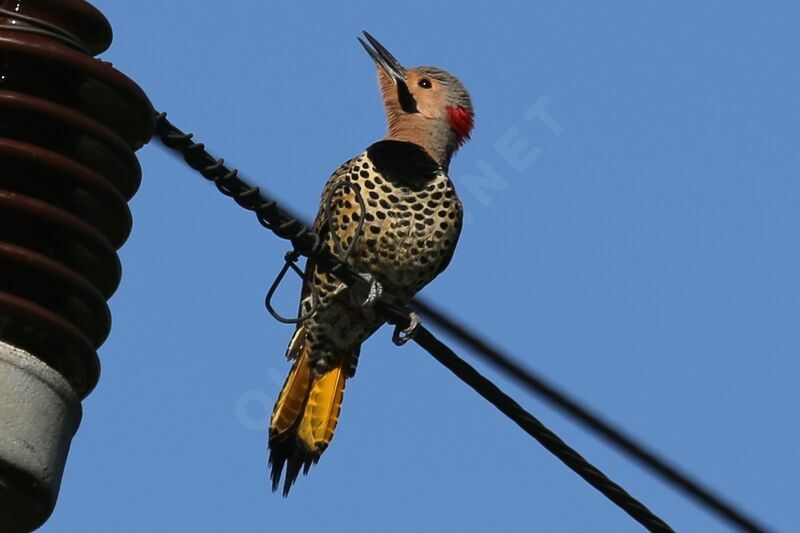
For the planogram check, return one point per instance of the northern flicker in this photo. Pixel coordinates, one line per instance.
(411, 223)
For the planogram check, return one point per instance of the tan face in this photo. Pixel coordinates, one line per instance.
(431, 96)
(426, 104)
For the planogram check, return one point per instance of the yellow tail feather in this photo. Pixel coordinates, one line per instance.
(322, 410)
(305, 414)
(292, 399)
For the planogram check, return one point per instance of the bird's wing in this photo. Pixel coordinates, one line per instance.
(321, 228)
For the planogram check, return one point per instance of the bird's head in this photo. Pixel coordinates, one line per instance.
(424, 105)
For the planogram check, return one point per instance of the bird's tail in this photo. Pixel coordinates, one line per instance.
(306, 413)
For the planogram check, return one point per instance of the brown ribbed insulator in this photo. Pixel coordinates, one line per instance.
(69, 126)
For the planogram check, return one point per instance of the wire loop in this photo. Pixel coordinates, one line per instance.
(290, 263)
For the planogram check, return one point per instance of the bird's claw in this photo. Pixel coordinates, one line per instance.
(403, 335)
(366, 295)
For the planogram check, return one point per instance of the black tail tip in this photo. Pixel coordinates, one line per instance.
(290, 454)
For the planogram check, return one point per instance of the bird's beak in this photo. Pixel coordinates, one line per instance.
(381, 56)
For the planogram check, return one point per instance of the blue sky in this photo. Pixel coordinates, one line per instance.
(636, 244)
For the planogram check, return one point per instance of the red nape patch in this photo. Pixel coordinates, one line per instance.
(461, 120)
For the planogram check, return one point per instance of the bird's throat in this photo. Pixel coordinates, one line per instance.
(435, 136)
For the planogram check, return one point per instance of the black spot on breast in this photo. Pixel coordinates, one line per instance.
(394, 199)
(416, 207)
(364, 174)
(374, 195)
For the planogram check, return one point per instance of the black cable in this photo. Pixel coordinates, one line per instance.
(533, 427)
(307, 243)
(604, 429)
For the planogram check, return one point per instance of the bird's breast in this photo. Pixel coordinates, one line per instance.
(408, 230)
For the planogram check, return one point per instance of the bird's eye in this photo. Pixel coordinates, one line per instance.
(425, 83)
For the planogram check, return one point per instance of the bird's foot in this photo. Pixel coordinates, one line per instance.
(366, 294)
(403, 335)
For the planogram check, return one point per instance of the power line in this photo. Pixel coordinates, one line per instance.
(533, 427)
(604, 429)
(309, 244)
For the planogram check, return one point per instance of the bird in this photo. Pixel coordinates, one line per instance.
(393, 215)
